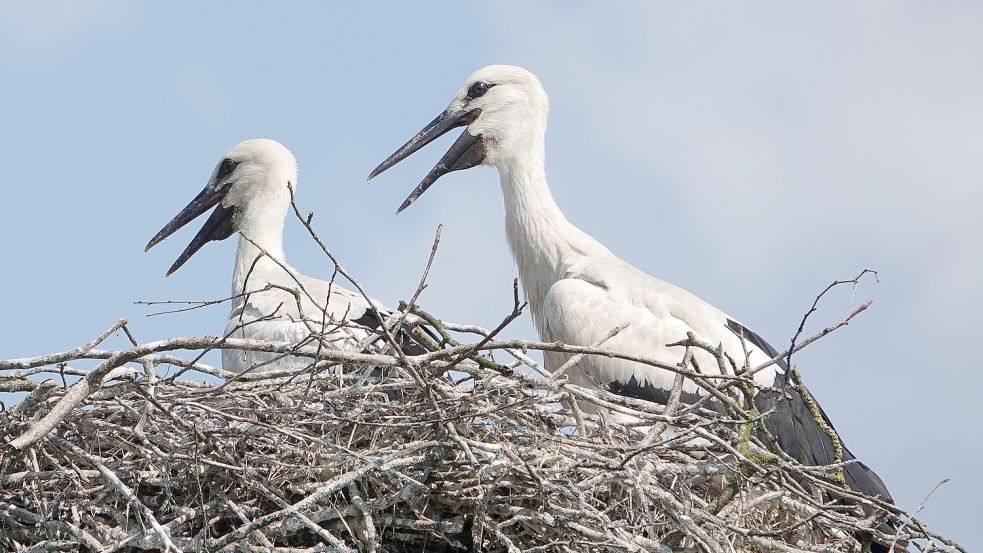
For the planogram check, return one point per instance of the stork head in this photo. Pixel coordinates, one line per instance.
(249, 188)
(503, 110)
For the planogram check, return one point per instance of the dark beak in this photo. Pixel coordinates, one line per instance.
(219, 225)
(466, 152)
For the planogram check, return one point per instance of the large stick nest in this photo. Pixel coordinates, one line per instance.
(381, 452)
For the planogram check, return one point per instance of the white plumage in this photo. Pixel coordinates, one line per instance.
(578, 291)
(250, 190)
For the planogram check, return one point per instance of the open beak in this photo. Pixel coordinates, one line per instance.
(466, 152)
(219, 225)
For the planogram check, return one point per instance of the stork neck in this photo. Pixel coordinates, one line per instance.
(253, 269)
(532, 218)
(542, 241)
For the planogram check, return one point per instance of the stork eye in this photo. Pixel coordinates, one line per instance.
(226, 168)
(478, 90)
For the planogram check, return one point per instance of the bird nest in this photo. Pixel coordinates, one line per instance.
(458, 448)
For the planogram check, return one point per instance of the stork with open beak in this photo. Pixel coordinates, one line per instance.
(578, 290)
(249, 192)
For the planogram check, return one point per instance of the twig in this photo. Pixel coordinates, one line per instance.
(812, 309)
(515, 314)
(911, 516)
(404, 311)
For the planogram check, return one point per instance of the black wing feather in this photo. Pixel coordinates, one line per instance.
(372, 319)
(798, 433)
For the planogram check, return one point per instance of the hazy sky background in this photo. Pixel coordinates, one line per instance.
(751, 154)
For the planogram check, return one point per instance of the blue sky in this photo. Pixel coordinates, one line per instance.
(750, 154)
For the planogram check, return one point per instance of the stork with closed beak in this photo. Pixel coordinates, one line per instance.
(250, 193)
(578, 291)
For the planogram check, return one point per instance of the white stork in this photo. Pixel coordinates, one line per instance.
(250, 190)
(578, 291)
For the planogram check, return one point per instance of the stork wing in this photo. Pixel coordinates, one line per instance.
(275, 314)
(582, 312)
(339, 318)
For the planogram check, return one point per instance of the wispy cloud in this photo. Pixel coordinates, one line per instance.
(44, 26)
